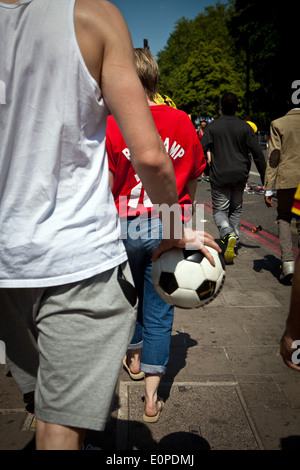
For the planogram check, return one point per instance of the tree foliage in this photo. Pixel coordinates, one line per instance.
(243, 47)
(197, 66)
(198, 84)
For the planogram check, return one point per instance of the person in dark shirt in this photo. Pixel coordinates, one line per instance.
(231, 142)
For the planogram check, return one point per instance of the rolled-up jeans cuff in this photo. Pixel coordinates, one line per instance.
(152, 369)
(135, 346)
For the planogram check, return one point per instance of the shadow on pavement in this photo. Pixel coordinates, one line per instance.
(178, 354)
(271, 264)
(140, 439)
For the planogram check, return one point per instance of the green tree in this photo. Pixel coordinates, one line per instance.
(246, 46)
(205, 76)
(198, 62)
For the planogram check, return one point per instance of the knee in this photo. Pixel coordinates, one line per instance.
(56, 437)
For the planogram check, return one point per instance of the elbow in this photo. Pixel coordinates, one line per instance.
(155, 161)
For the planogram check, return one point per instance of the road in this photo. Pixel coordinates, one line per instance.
(258, 213)
(255, 212)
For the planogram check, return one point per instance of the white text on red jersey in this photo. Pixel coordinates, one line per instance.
(175, 151)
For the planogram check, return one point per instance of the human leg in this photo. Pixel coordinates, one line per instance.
(83, 321)
(153, 404)
(285, 239)
(19, 307)
(225, 218)
(77, 324)
(285, 199)
(156, 347)
(19, 333)
(55, 437)
(235, 208)
(221, 196)
(157, 329)
(131, 363)
(134, 249)
(146, 236)
(156, 316)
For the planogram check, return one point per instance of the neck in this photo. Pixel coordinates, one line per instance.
(152, 103)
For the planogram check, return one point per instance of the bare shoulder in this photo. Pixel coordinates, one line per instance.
(100, 27)
(98, 14)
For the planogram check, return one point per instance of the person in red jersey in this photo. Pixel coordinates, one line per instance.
(148, 353)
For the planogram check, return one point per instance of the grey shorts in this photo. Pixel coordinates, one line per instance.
(67, 344)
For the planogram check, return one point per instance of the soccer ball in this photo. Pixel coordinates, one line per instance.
(186, 279)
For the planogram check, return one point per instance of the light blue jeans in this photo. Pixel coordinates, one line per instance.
(227, 204)
(155, 317)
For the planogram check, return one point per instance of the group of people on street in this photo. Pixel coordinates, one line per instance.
(231, 142)
(76, 298)
(231, 145)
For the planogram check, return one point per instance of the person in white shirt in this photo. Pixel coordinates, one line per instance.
(66, 292)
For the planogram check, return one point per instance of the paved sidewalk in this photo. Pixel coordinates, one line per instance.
(226, 388)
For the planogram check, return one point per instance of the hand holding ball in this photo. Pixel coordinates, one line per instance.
(186, 279)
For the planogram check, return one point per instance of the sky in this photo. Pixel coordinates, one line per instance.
(155, 19)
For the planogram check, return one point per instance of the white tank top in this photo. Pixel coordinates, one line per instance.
(58, 221)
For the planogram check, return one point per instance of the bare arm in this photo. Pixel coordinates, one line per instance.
(208, 156)
(258, 155)
(106, 46)
(126, 100)
(111, 176)
(191, 188)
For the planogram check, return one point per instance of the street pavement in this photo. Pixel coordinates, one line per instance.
(226, 387)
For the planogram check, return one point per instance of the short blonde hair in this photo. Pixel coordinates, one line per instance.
(148, 71)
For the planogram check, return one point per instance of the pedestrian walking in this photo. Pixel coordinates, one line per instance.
(67, 299)
(283, 175)
(231, 142)
(148, 353)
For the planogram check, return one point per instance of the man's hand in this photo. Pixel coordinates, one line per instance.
(194, 240)
(269, 201)
(286, 351)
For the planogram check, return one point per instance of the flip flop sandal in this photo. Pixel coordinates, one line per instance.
(138, 376)
(154, 419)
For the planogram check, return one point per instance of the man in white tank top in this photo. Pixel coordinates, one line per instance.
(66, 293)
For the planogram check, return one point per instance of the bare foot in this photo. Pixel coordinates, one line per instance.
(152, 411)
(131, 363)
(133, 360)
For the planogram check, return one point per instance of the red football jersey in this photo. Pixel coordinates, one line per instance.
(183, 146)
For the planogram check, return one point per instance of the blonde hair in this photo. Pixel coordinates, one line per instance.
(147, 70)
